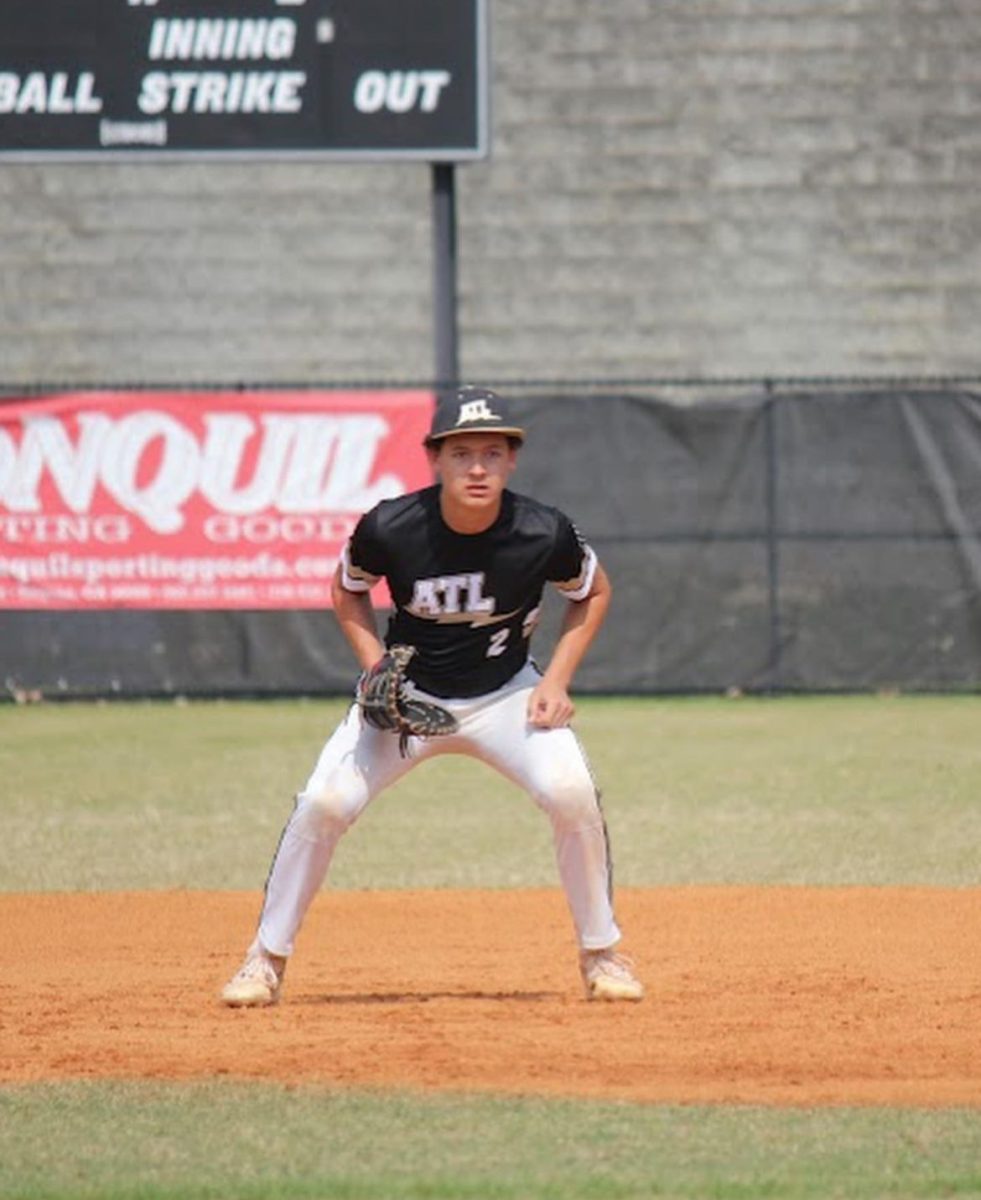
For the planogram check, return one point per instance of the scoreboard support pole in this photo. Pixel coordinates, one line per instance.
(445, 276)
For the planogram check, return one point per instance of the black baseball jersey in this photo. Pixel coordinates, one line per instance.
(467, 602)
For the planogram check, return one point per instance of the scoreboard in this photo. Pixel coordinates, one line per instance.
(346, 79)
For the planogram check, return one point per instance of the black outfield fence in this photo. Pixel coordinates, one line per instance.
(762, 536)
(777, 538)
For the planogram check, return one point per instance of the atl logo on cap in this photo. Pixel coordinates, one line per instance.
(475, 410)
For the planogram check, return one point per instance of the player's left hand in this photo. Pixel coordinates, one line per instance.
(550, 707)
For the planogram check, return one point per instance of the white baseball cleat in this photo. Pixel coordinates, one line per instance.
(257, 982)
(607, 975)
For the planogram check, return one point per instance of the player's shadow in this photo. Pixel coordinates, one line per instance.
(425, 997)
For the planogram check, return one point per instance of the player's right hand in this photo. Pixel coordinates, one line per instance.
(550, 706)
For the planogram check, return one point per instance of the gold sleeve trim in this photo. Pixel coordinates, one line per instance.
(580, 587)
(353, 578)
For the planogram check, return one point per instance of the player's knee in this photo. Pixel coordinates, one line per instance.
(328, 809)
(568, 795)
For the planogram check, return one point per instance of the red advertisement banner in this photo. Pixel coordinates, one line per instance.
(188, 500)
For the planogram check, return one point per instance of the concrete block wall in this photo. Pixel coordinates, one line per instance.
(687, 187)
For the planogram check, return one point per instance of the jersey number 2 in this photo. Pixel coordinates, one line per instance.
(498, 643)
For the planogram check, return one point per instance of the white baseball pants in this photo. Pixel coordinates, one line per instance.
(358, 762)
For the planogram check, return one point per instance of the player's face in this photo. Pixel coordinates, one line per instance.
(473, 469)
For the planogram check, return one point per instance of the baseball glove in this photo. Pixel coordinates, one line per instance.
(386, 702)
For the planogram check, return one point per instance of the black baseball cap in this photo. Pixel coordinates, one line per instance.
(473, 410)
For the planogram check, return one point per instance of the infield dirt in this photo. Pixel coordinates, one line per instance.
(756, 995)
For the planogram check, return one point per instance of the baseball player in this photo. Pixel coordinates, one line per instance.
(466, 561)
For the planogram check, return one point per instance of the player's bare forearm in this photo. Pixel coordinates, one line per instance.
(356, 617)
(550, 705)
(580, 626)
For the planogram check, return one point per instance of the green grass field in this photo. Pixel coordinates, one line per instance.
(814, 790)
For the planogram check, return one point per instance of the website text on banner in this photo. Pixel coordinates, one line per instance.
(186, 500)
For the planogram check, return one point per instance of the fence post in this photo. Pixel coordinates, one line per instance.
(773, 671)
